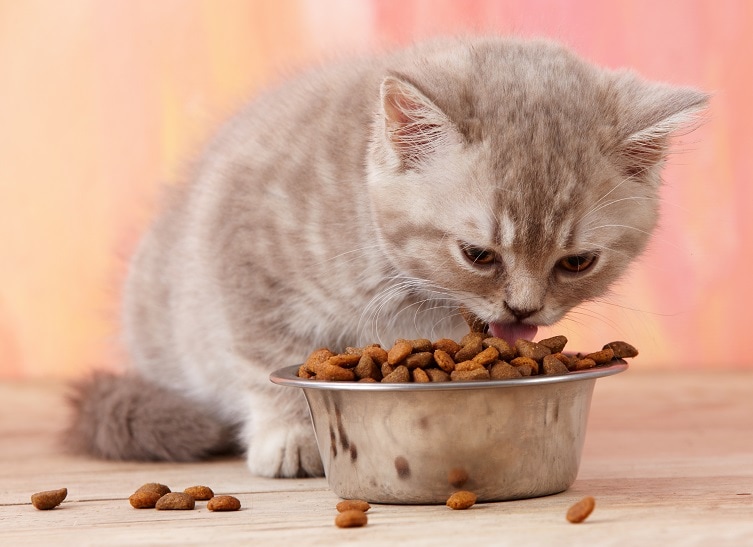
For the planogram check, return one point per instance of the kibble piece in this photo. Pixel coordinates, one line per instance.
(345, 360)
(506, 352)
(468, 365)
(304, 373)
(487, 356)
(551, 366)
(353, 518)
(179, 501)
(387, 369)
(555, 343)
(504, 371)
(223, 503)
(200, 493)
(399, 351)
(469, 375)
(145, 499)
(469, 350)
(367, 368)
(419, 376)
(457, 477)
(377, 353)
(582, 364)
(437, 375)
(535, 351)
(49, 499)
(333, 373)
(621, 349)
(315, 357)
(462, 499)
(161, 489)
(347, 505)
(579, 511)
(568, 361)
(419, 360)
(448, 346)
(526, 362)
(601, 357)
(443, 360)
(472, 338)
(399, 375)
(421, 345)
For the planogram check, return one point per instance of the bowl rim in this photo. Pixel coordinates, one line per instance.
(287, 376)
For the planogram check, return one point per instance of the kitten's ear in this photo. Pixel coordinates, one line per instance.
(414, 126)
(652, 113)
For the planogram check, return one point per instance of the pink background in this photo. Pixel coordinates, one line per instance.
(105, 101)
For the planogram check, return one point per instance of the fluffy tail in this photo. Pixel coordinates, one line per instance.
(127, 418)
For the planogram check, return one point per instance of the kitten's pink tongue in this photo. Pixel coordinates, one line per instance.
(510, 332)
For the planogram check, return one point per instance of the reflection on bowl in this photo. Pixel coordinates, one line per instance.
(417, 443)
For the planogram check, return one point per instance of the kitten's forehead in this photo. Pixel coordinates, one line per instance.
(536, 228)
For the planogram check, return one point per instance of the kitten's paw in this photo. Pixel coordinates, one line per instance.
(283, 450)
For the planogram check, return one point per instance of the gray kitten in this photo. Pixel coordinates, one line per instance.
(369, 201)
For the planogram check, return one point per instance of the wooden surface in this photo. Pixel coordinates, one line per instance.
(668, 457)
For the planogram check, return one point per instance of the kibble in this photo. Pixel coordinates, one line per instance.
(145, 499)
(161, 489)
(347, 505)
(175, 501)
(462, 499)
(579, 511)
(49, 499)
(478, 356)
(199, 493)
(352, 518)
(224, 503)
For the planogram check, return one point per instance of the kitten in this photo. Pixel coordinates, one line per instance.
(367, 201)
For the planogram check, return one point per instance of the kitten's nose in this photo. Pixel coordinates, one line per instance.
(521, 313)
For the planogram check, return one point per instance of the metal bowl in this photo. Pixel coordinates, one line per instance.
(417, 443)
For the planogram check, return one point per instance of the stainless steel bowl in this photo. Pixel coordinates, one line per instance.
(415, 443)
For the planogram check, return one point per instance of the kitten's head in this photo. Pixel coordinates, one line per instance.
(517, 180)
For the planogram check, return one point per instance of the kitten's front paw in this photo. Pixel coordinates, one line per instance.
(283, 450)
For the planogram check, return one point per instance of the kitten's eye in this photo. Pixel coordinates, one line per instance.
(577, 263)
(478, 255)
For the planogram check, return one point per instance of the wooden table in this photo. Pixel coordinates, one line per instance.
(668, 457)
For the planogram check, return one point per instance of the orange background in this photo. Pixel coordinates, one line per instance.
(104, 101)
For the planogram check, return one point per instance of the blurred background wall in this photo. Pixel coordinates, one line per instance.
(103, 102)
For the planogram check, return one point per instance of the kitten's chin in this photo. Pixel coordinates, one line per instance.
(510, 332)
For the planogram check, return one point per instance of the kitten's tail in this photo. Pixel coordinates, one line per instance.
(127, 418)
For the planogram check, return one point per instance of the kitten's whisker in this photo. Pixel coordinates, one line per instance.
(344, 253)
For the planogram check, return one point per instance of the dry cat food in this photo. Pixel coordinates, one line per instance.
(579, 511)
(199, 493)
(175, 501)
(347, 505)
(144, 499)
(155, 495)
(147, 495)
(462, 499)
(224, 503)
(351, 518)
(49, 499)
(478, 356)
